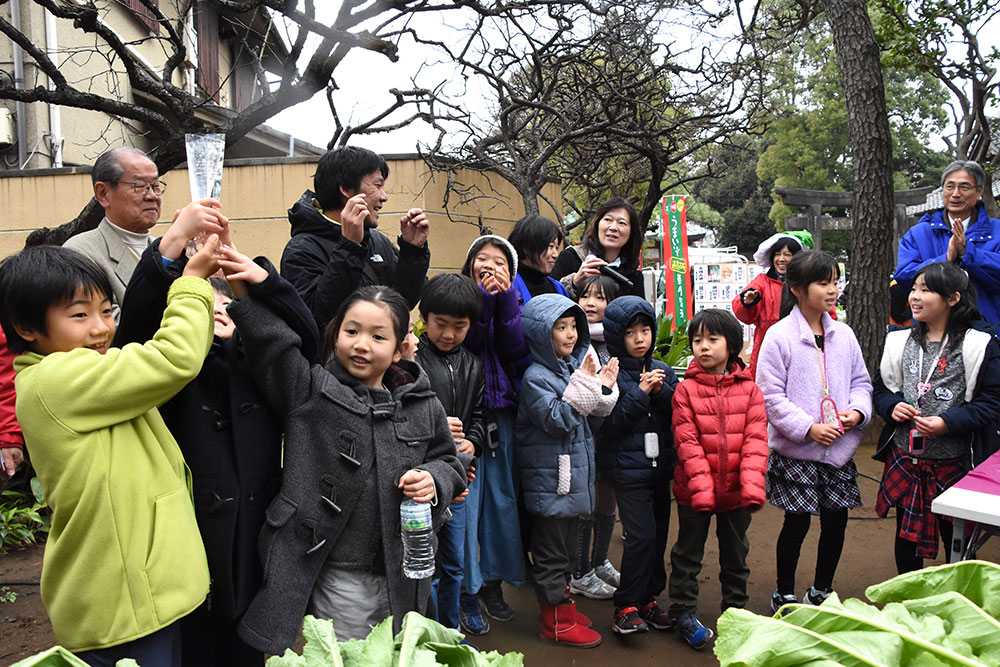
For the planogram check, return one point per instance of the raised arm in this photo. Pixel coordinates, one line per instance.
(545, 407)
(274, 350)
(86, 391)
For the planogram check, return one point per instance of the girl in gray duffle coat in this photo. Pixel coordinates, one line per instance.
(361, 432)
(555, 451)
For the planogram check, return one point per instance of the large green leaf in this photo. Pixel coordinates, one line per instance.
(977, 580)
(940, 619)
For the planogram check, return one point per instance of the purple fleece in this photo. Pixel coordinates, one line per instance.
(788, 372)
(498, 340)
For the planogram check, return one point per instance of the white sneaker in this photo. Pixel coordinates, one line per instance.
(591, 586)
(608, 574)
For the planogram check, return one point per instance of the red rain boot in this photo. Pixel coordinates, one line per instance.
(560, 625)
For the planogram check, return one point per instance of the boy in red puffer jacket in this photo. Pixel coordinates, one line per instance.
(720, 433)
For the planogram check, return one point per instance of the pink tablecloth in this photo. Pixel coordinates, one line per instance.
(984, 478)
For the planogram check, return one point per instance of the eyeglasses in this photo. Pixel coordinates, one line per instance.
(140, 187)
(964, 188)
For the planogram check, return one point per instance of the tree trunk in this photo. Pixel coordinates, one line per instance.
(871, 150)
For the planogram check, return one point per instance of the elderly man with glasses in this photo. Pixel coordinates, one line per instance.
(127, 185)
(959, 232)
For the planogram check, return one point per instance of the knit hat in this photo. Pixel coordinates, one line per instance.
(498, 241)
(763, 254)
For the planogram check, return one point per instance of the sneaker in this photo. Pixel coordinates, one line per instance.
(778, 600)
(471, 616)
(655, 617)
(627, 621)
(591, 586)
(608, 574)
(693, 632)
(496, 606)
(815, 597)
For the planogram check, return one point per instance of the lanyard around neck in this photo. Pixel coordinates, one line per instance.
(822, 365)
(925, 386)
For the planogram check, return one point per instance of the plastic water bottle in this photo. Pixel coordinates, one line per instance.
(418, 539)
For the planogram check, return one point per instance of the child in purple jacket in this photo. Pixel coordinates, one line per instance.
(493, 531)
(818, 394)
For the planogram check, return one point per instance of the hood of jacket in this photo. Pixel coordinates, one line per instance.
(305, 218)
(539, 316)
(498, 241)
(616, 318)
(738, 372)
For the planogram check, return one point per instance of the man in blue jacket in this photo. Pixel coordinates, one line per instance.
(961, 232)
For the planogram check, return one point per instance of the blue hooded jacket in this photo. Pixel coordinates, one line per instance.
(547, 426)
(927, 242)
(621, 451)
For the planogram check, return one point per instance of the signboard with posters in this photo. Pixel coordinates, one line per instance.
(716, 284)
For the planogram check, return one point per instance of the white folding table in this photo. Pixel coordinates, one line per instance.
(974, 499)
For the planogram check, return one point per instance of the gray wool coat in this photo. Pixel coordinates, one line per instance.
(333, 438)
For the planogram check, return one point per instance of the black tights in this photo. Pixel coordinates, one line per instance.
(906, 551)
(832, 526)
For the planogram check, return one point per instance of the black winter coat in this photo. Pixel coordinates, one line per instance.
(325, 268)
(458, 380)
(335, 440)
(230, 439)
(621, 451)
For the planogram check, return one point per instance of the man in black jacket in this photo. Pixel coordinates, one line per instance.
(335, 247)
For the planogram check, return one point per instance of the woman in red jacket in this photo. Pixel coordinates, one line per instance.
(760, 303)
(720, 433)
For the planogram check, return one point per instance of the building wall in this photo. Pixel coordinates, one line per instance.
(256, 195)
(86, 133)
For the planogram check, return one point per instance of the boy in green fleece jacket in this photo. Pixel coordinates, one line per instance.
(124, 559)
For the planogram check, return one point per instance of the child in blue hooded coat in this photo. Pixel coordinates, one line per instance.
(555, 452)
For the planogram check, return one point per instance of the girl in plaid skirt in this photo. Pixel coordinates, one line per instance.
(938, 388)
(818, 394)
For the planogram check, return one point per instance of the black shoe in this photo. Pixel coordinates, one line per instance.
(492, 596)
(627, 621)
(655, 617)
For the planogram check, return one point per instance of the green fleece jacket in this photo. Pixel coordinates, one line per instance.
(124, 557)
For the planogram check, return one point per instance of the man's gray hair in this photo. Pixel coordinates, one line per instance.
(977, 173)
(108, 167)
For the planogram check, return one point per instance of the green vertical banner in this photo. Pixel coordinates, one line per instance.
(675, 239)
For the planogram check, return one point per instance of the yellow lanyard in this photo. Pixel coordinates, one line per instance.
(822, 365)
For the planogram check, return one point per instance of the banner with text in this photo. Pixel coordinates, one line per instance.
(675, 255)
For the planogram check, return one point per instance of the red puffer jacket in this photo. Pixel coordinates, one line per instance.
(720, 432)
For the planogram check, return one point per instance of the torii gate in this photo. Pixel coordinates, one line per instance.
(815, 222)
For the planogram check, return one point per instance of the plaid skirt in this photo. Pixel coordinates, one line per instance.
(799, 486)
(910, 485)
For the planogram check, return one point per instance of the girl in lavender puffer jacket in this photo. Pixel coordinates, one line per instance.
(817, 393)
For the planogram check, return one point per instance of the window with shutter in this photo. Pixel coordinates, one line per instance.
(207, 22)
(143, 13)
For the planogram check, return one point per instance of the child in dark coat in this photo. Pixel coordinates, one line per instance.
(449, 304)
(720, 431)
(230, 439)
(362, 432)
(635, 452)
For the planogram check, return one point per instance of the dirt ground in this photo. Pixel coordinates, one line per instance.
(867, 559)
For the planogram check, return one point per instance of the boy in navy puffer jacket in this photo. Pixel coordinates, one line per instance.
(635, 452)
